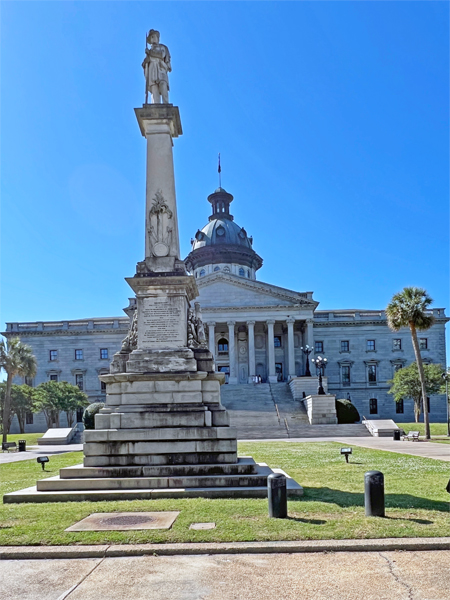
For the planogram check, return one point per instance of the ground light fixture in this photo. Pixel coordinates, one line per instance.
(41, 460)
(346, 452)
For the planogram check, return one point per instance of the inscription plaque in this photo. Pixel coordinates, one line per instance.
(162, 323)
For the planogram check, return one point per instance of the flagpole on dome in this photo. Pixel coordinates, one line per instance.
(219, 170)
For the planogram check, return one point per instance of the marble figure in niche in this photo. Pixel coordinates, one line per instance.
(156, 65)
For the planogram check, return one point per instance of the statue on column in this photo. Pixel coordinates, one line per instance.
(156, 65)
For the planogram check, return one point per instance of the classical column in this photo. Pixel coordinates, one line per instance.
(291, 352)
(212, 338)
(271, 352)
(251, 351)
(231, 352)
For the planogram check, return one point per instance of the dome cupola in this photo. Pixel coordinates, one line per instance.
(222, 245)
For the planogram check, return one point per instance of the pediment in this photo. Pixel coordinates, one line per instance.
(222, 290)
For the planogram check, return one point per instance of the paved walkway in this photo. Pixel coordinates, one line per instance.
(34, 451)
(381, 575)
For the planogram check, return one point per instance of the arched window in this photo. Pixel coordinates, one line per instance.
(216, 268)
(222, 346)
(202, 272)
(241, 272)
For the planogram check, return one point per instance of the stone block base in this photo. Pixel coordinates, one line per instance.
(321, 409)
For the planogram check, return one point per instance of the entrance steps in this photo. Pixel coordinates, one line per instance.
(253, 412)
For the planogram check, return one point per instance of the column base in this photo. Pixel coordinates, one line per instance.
(273, 379)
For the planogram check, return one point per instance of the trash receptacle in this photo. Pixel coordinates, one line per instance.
(22, 445)
(397, 435)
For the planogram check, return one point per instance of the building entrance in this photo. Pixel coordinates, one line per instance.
(279, 371)
(225, 369)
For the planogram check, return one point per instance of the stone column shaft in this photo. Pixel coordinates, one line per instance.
(291, 350)
(232, 352)
(271, 352)
(251, 351)
(212, 339)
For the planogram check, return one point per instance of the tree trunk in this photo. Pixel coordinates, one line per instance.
(415, 342)
(21, 418)
(417, 410)
(70, 417)
(6, 417)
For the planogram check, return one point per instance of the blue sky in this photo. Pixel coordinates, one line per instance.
(331, 119)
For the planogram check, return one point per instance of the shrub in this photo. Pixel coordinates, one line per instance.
(346, 412)
(89, 414)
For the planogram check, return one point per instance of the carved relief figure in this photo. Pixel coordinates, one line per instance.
(159, 231)
(196, 331)
(130, 342)
(156, 65)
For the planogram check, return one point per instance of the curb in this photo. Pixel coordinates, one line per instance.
(102, 551)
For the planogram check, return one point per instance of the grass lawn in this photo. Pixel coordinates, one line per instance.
(331, 508)
(31, 438)
(438, 431)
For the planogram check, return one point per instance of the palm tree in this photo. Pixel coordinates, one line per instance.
(409, 308)
(16, 359)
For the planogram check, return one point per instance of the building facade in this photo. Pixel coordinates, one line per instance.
(253, 329)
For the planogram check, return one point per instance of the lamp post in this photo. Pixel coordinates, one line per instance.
(446, 377)
(321, 365)
(307, 351)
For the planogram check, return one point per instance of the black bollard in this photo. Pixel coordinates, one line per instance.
(276, 491)
(374, 494)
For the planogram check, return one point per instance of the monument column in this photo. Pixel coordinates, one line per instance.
(271, 352)
(251, 351)
(212, 338)
(291, 352)
(231, 352)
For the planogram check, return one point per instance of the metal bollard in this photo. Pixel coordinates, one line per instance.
(276, 491)
(374, 494)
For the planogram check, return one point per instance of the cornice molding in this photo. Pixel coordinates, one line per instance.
(62, 332)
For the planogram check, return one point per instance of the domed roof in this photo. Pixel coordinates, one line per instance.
(221, 231)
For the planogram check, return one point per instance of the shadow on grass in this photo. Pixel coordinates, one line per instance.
(347, 499)
(420, 521)
(307, 521)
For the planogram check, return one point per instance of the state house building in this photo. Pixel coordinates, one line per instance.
(253, 328)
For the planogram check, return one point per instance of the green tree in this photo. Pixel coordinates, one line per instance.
(407, 384)
(53, 397)
(15, 359)
(409, 308)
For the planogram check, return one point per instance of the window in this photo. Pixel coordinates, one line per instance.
(78, 354)
(423, 343)
(397, 367)
(346, 375)
(29, 418)
(372, 373)
(53, 355)
(79, 381)
(222, 346)
(396, 344)
(29, 381)
(399, 408)
(103, 386)
(370, 345)
(202, 272)
(318, 347)
(53, 377)
(373, 406)
(248, 273)
(216, 268)
(345, 346)
(241, 272)
(103, 353)
(277, 341)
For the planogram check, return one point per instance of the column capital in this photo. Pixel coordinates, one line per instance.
(252, 323)
(270, 322)
(309, 321)
(231, 323)
(290, 320)
(211, 323)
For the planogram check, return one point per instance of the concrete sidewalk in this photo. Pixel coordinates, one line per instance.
(380, 575)
(34, 451)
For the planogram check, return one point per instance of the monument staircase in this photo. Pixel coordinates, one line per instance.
(268, 411)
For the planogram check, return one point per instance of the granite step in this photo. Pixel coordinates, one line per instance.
(131, 483)
(244, 466)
